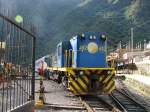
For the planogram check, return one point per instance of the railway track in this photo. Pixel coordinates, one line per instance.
(119, 101)
(126, 103)
(97, 104)
(87, 104)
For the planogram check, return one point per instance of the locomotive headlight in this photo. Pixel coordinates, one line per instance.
(94, 37)
(103, 37)
(92, 47)
(91, 37)
(81, 73)
(83, 35)
(108, 72)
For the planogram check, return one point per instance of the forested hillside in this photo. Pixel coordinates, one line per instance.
(61, 19)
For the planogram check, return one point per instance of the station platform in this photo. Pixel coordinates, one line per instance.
(139, 78)
(137, 82)
(56, 98)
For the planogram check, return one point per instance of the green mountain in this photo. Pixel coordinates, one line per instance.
(59, 20)
(111, 17)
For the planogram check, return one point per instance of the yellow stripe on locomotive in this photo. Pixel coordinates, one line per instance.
(83, 81)
(89, 81)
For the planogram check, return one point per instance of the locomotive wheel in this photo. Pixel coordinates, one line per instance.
(65, 81)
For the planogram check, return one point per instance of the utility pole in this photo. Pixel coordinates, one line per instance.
(140, 46)
(144, 44)
(132, 46)
(106, 49)
(129, 46)
(120, 46)
(132, 40)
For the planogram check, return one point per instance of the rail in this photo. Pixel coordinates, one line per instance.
(96, 104)
(126, 103)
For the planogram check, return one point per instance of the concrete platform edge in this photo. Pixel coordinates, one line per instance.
(27, 107)
(143, 87)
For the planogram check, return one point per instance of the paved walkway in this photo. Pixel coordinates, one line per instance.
(140, 78)
(56, 96)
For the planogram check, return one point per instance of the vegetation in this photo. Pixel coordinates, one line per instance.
(59, 20)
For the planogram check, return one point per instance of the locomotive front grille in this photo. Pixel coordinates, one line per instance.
(91, 81)
(94, 82)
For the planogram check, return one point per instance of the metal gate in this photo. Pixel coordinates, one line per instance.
(17, 57)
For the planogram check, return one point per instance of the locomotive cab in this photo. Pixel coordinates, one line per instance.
(63, 50)
(88, 49)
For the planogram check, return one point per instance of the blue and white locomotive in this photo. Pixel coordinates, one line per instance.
(82, 66)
